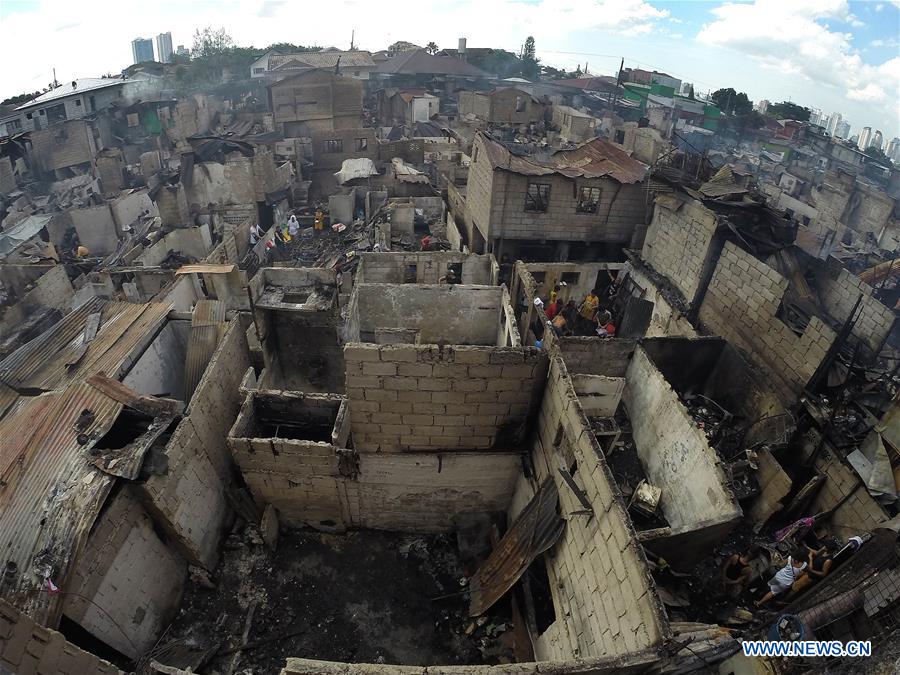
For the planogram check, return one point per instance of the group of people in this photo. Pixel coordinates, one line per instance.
(592, 315)
(802, 568)
(283, 234)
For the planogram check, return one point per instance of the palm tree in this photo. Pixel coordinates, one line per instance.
(431, 48)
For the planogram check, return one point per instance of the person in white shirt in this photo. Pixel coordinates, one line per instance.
(256, 234)
(293, 227)
(784, 578)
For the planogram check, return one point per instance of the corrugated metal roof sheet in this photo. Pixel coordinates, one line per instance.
(50, 490)
(207, 328)
(536, 529)
(82, 85)
(418, 61)
(354, 59)
(50, 493)
(205, 268)
(59, 356)
(593, 159)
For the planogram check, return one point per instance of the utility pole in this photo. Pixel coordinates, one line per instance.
(55, 83)
(352, 35)
(618, 84)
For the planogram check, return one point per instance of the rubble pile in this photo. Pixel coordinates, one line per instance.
(363, 597)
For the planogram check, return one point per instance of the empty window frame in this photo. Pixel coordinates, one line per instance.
(334, 145)
(537, 198)
(362, 144)
(520, 104)
(588, 200)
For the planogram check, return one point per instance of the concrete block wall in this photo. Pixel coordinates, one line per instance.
(604, 597)
(620, 210)
(172, 203)
(189, 500)
(66, 144)
(740, 305)
(667, 318)
(424, 397)
(859, 513)
(839, 290)
(52, 290)
(424, 492)
(479, 191)
(391, 268)
(439, 314)
(129, 573)
(96, 228)
(675, 453)
(27, 648)
(678, 242)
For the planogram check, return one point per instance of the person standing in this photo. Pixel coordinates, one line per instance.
(256, 234)
(319, 223)
(293, 227)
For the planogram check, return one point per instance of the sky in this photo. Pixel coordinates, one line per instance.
(836, 55)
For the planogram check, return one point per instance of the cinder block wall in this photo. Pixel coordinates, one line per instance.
(620, 210)
(189, 500)
(859, 513)
(677, 458)
(315, 484)
(678, 242)
(604, 598)
(839, 290)
(439, 314)
(391, 268)
(425, 397)
(740, 305)
(27, 648)
(131, 574)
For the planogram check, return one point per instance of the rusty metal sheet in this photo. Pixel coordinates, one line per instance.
(149, 405)
(50, 493)
(536, 529)
(207, 328)
(205, 268)
(41, 365)
(594, 159)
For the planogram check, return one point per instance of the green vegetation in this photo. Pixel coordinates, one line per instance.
(788, 111)
(732, 102)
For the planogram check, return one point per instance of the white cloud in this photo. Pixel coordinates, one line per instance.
(102, 43)
(793, 38)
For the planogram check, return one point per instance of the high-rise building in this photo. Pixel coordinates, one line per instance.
(815, 116)
(833, 122)
(164, 47)
(843, 130)
(877, 140)
(893, 150)
(182, 51)
(141, 50)
(762, 106)
(864, 137)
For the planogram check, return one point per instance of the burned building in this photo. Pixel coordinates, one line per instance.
(533, 207)
(502, 106)
(317, 100)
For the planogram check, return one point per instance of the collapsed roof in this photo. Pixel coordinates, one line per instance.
(594, 159)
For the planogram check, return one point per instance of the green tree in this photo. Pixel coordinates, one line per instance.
(431, 48)
(786, 110)
(876, 155)
(209, 43)
(690, 94)
(499, 62)
(290, 48)
(732, 102)
(20, 99)
(531, 65)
